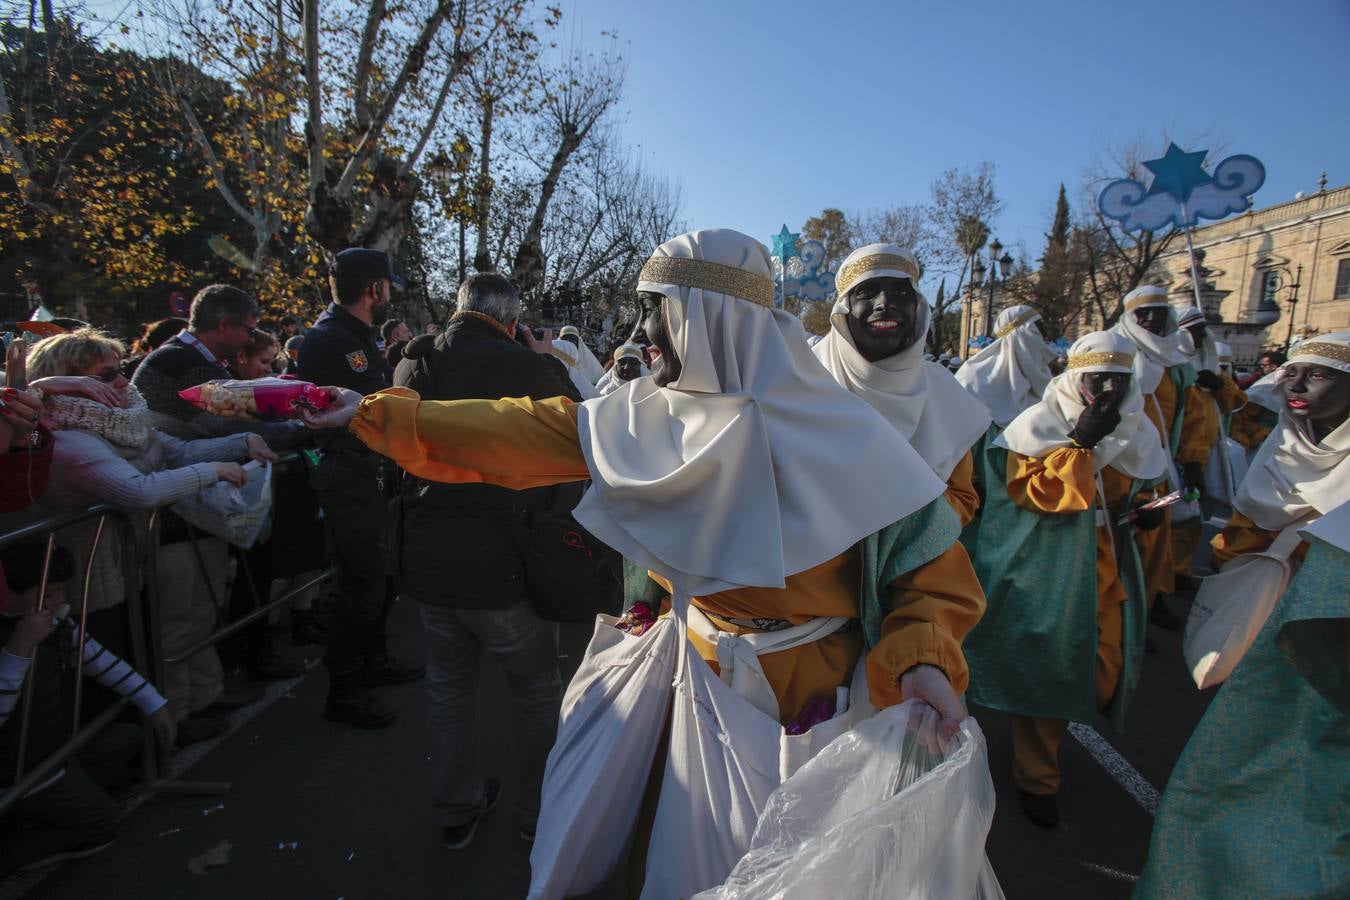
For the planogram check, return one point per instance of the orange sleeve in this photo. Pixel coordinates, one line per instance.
(516, 443)
(1242, 535)
(961, 490)
(1251, 425)
(1063, 481)
(1199, 428)
(1230, 397)
(935, 606)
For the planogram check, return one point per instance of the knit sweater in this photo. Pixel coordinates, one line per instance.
(175, 366)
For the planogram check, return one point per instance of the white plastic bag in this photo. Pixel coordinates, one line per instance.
(881, 812)
(1231, 608)
(236, 514)
(613, 715)
(1225, 470)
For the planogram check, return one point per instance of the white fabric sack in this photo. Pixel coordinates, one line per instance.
(613, 715)
(879, 813)
(726, 757)
(236, 514)
(1231, 608)
(1225, 470)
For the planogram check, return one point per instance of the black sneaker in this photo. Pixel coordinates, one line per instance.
(1163, 617)
(1041, 809)
(390, 670)
(457, 837)
(361, 710)
(88, 848)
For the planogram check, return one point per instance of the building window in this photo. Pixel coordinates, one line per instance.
(1343, 280)
(1270, 287)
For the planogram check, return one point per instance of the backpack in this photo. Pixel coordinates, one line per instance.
(570, 575)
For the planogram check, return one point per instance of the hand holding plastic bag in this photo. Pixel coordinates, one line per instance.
(237, 514)
(884, 811)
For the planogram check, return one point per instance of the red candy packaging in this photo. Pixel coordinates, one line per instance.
(260, 398)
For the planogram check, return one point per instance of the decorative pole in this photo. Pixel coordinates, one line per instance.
(784, 248)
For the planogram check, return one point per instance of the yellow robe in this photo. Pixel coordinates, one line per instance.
(961, 493)
(1059, 483)
(1198, 434)
(1252, 424)
(523, 443)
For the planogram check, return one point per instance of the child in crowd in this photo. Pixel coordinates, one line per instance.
(68, 814)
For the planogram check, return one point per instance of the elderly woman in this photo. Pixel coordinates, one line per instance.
(107, 452)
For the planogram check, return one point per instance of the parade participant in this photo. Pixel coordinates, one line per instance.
(1271, 747)
(627, 366)
(1070, 465)
(1164, 376)
(1254, 422)
(586, 362)
(354, 487)
(1210, 400)
(1010, 374)
(574, 358)
(727, 475)
(875, 349)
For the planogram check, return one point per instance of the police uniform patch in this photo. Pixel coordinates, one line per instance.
(357, 360)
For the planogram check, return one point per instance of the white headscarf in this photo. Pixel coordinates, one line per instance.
(1156, 352)
(584, 360)
(753, 465)
(1293, 475)
(1206, 356)
(1010, 374)
(609, 382)
(1266, 392)
(571, 356)
(1223, 354)
(923, 400)
(1133, 448)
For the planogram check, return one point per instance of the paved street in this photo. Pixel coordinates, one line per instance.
(324, 811)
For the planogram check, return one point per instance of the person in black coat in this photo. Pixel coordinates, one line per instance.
(460, 555)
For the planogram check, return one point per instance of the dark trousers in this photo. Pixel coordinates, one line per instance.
(354, 506)
(75, 811)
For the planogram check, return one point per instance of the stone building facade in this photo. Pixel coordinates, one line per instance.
(1251, 263)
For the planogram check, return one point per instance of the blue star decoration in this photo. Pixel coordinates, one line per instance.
(785, 245)
(1178, 173)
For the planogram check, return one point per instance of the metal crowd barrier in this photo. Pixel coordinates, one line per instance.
(141, 602)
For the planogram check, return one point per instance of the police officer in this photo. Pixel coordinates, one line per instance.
(354, 486)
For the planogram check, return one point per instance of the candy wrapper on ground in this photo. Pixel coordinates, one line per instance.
(260, 398)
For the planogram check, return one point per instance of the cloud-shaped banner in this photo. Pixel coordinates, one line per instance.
(1228, 191)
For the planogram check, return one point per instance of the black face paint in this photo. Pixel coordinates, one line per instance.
(667, 367)
(882, 313)
(628, 368)
(1197, 333)
(1152, 318)
(1093, 384)
(1040, 329)
(1317, 394)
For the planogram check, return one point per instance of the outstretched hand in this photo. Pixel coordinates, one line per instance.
(930, 684)
(338, 414)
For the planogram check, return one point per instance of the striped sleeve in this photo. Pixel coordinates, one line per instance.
(12, 671)
(116, 674)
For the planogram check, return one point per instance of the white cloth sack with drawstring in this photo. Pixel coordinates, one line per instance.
(613, 715)
(884, 811)
(1232, 607)
(728, 754)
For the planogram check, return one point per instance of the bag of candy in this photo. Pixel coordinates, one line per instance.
(259, 398)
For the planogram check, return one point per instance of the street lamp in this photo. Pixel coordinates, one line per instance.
(995, 261)
(1293, 302)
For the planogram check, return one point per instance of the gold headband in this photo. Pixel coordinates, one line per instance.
(1147, 300)
(852, 273)
(1338, 352)
(1012, 326)
(708, 276)
(1101, 358)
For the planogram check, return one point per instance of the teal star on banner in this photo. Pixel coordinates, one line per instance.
(785, 245)
(1178, 172)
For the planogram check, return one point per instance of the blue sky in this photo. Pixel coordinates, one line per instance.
(767, 113)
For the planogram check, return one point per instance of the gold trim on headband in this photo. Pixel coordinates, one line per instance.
(1012, 326)
(1338, 352)
(852, 273)
(709, 276)
(1147, 300)
(1101, 358)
